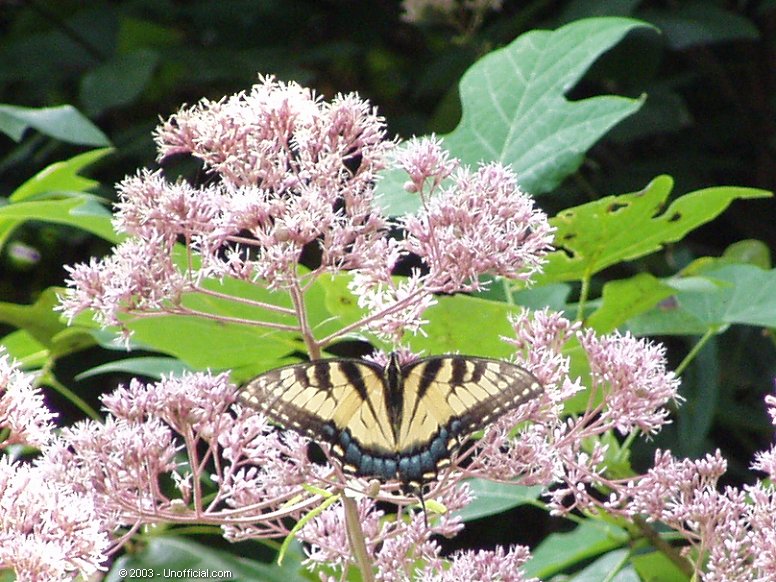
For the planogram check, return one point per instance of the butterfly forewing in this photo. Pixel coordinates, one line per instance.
(446, 398)
(321, 398)
(465, 391)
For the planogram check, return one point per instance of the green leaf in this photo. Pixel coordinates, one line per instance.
(64, 123)
(599, 234)
(515, 109)
(617, 457)
(555, 296)
(466, 325)
(609, 567)
(44, 333)
(730, 294)
(753, 252)
(199, 342)
(118, 81)
(340, 303)
(701, 389)
(492, 498)
(136, 33)
(514, 105)
(627, 298)
(39, 320)
(656, 567)
(690, 24)
(61, 177)
(72, 340)
(453, 323)
(204, 343)
(84, 213)
(561, 550)
(152, 367)
(56, 194)
(186, 560)
(22, 346)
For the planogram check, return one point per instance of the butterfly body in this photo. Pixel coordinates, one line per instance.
(391, 421)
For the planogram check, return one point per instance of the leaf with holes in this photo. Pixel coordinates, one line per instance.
(599, 234)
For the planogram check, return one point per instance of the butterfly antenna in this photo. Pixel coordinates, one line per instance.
(423, 505)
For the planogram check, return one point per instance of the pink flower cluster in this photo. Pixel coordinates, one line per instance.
(426, 11)
(48, 530)
(22, 410)
(292, 172)
(480, 224)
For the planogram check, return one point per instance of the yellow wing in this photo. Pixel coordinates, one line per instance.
(448, 397)
(342, 401)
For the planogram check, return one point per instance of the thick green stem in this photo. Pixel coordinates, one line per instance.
(356, 539)
(694, 351)
(583, 293)
(663, 546)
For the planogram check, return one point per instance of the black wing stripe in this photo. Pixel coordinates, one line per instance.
(322, 376)
(459, 371)
(300, 375)
(429, 374)
(356, 378)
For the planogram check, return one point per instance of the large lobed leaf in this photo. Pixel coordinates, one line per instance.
(599, 234)
(515, 109)
(716, 298)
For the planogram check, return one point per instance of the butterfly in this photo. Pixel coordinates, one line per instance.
(393, 421)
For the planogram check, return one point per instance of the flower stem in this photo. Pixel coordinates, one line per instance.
(74, 399)
(182, 310)
(245, 301)
(508, 293)
(356, 539)
(663, 546)
(398, 306)
(583, 293)
(297, 296)
(695, 349)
